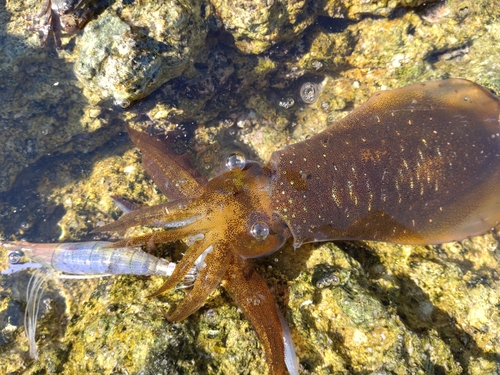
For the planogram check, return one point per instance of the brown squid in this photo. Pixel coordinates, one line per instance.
(416, 165)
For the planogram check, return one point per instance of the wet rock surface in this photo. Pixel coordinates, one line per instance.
(131, 50)
(352, 307)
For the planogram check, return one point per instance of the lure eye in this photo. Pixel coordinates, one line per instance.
(259, 231)
(235, 160)
(15, 256)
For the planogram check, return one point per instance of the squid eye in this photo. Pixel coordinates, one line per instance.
(235, 160)
(15, 256)
(260, 231)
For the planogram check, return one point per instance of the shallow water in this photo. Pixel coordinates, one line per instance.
(353, 307)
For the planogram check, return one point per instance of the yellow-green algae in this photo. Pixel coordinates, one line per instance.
(395, 309)
(257, 25)
(132, 49)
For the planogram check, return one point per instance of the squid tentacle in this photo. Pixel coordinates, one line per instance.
(254, 298)
(188, 262)
(151, 239)
(207, 281)
(169, 215)
(173, 173)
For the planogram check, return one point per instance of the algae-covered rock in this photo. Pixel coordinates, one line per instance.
(41, 108)
(128, 54)
(257, 25)
(378, 8)
(397, 309)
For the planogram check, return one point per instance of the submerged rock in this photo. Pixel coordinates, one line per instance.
(257, 25)
(128, 54)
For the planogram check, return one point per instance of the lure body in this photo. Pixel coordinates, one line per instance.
(77, 260)
(93, 258)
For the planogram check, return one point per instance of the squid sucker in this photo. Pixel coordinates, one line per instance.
(415, 165)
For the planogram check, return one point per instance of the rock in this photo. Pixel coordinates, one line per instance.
(127, 54)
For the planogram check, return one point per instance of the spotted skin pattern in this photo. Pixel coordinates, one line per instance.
(416, 165)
